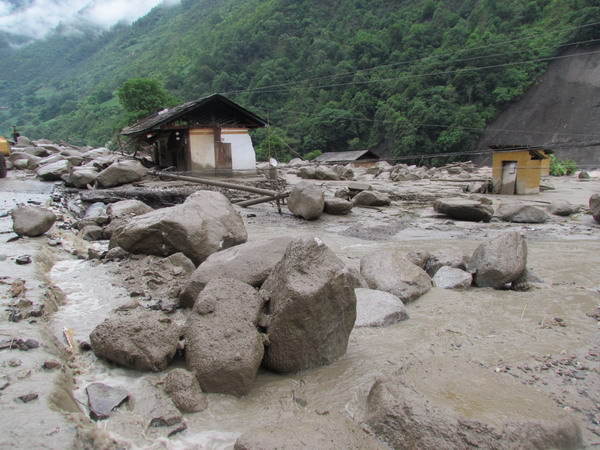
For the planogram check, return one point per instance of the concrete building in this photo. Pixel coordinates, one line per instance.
(518, 169)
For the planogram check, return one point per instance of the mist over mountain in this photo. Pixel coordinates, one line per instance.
(423, 77)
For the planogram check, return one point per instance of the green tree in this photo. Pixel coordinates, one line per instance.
(141, 97)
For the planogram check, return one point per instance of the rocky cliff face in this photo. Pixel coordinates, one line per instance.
(560, 111)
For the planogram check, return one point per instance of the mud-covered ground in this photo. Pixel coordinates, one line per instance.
(547, 337)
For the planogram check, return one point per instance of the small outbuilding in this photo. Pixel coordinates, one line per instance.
(363, 158)
(518, 169)
(206, 134)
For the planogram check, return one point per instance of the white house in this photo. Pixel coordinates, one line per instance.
(208, 133)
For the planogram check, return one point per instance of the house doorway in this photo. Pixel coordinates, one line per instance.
(508, 182)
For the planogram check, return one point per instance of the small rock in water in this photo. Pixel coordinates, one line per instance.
(22, 260)
(51, 364)
(27, 398)
(3, 382)
(102, 399)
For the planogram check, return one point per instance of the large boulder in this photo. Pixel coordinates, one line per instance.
(308, 431)
(307, 172)
(595, 207)
(127, 208)
(95, 215)
(204, 224)
(520, 213)
(371, 198)
(83, 178)
(464, 209)
(326, 173)
(446, 257)
(391, 272)
(311, 308)
(251, 263)
(499, 261)
(138, 339)
(450, 403)
(306, 200)
(337, 206)
(54, 171)
(447, 277)
(121, 172)
(378, 309)
(183, 388)
(32, 220)
(562, 208)
(223, 346)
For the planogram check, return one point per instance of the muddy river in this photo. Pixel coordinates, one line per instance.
(501, 330)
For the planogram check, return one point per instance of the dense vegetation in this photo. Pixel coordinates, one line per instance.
(408, 77)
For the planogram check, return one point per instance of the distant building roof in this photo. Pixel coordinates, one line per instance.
(347, 156)
(517, 148)
(213, 110)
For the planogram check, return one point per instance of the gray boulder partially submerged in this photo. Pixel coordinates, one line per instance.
(451, 403)
(594, 203)
(464, 209)
(306, 200)
(204, 224)
(311, 308)
(520, 213)
(378, 309)
(390, 271)
(223, 346)
(499, 261)
(121, 172)
(32, 220)
(138, 339)
(250, 262)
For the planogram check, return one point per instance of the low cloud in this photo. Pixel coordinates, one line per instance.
(35, 19)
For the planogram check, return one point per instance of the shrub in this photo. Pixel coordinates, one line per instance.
(562, 168)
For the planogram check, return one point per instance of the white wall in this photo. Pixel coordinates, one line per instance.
(202, 148)
(243, 156)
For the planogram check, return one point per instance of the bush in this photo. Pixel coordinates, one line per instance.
(312, 155)
(563, 168)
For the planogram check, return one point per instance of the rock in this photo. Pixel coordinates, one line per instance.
(418, 257)
(306, 200)
(155, 407)
(27, 397)
(562, 208)
(125, 209)
(371, 198)
(337, 206)
(519, 213)
(378, 309)
(464, 209)
(447, 277)
(95, 215)
(23, 260)
(91, 233)
(308, 431)
(477, 187)
(326, 173)
(138, 339)
(82, 178)
(499, 261)
(343, 193)
(446, 257)
(103, 399)
(23, 141)
(250, 263)
(307, 172)
(204, 224)
(223, 346)
(583, 175)
(595, 207)
(32, 220)
(312, 308)
(54, 171)
(184, 390)
(116, 253)
(51, 364)
(121, 172)
(391, 272)
(21, 164)
(451, 403)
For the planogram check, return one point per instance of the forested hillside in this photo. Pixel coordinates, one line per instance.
(407, 77)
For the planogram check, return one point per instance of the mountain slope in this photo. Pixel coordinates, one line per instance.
(412, 77)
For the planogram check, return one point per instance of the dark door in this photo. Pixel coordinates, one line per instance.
(509, 177)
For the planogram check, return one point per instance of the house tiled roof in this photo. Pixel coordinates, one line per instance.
(346, 156)
(213, 110)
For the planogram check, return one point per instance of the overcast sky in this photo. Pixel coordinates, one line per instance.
(36, 18)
